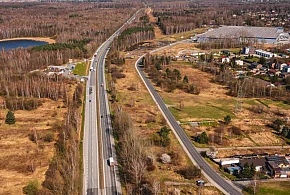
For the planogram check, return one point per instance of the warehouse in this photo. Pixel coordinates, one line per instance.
(270, 35)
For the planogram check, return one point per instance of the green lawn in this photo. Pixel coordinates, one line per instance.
(275, 103)
(205, 111)
(80, 69)
(275, 188)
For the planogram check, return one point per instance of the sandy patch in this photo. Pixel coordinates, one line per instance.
(45, 39)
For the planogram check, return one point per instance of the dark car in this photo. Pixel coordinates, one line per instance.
(90, 100)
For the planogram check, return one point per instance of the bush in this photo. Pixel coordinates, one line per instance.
(10, 118)
(227, 119)
(31, 188)
(150, 120)
(202, 138)
(236, 130)
(49, 137)
(190, 172)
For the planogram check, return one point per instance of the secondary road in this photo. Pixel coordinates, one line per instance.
(98, 143)
(223, 185)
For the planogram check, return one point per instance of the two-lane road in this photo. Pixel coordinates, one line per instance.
(189, 148)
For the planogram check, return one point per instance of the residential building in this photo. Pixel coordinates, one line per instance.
(259, 163)
(265, 54)
(286, 69)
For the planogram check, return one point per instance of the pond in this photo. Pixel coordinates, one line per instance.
(12, 44)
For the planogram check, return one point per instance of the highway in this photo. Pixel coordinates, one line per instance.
(225, 186)
(98, 144)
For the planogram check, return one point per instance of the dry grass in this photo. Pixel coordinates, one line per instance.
(18, 154)
(213, 103)
(144, 107)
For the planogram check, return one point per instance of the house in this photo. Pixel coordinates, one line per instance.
(248, 50)
(259, 163)
(282, 66)
(239, 62)
(255, 65)
(71, 66)
(279, 160)
(227, 161)
(286, 69)
(274, 169)
(234, 170)
(56, 68)
(265, 54)
(225, 59)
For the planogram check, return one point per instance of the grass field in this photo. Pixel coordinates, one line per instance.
(143, 108)
(18, 153)
(275, 188)
(81, 69)
(213, 103)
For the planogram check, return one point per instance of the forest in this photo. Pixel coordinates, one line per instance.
(79, 29)
(78, 32)
(180, 16)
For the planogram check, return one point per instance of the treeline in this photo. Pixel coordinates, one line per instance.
(158, 68)
(26, 91)
(227, 43)
(63, 174)
(140, 30)
(80, 44)
(177, 17)
(131, 153)
(251, 87)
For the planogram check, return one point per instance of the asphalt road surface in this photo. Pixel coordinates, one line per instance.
(225, 186)
(99, 178)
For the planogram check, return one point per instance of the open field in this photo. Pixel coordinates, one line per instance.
(213, 103)
(139, 104)
(275, 188)
(21, 159)
(81, 69)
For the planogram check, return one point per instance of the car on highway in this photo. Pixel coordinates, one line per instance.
(111, 162)
(90, 100)
(102, 85)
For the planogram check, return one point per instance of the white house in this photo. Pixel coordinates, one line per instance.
(239, 62)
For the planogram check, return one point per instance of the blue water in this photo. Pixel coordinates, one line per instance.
(7, 45)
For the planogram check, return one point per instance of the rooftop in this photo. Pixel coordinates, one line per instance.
(245, 31)
(255, 161)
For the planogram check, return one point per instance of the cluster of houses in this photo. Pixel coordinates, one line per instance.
(66, 70)
(270, 68)
(274, 166)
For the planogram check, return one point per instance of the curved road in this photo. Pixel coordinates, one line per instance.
(210, 174)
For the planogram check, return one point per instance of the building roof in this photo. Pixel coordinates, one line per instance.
(246, 31)
(234, 168)
(278, 159)
(255, 161)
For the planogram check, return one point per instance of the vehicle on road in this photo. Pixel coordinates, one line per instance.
(90, 100)
(102, 85)
(111, 161)
(91, 68)
(90, 90)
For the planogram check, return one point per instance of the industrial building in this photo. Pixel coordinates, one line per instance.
(270, 35)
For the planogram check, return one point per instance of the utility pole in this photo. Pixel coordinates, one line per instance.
(240, 95)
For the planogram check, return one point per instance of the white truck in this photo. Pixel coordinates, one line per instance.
(111, 161)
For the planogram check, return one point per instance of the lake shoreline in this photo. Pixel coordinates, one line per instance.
(45, 39)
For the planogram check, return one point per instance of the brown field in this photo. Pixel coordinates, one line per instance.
(142, 109)
(19, 155)
(213, 103)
